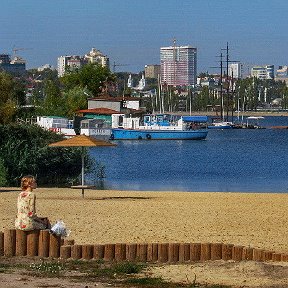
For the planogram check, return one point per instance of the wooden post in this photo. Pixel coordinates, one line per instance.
(216, 251)
(195, 251)
(131, 251)
(54, 246)
(152, 252)
(163, 252)
(141, 253)
(109, 252)
(1, 243)
(21, 243)
(205, 252)
(87, 252)
(76, 252)
(237, 253)
(98, 251)
(69, 242)
(257, 254)
(247, 253)
(173, 252)
(184, 252)
(32, 243)
(44, 242)
(227, 251)
(65, 251)
(120, 252)
(9, 242)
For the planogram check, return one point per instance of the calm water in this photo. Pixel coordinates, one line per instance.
(228, 160)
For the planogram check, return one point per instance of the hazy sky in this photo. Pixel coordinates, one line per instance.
(131, 32)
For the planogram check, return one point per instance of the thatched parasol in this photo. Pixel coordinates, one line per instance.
(82, 141)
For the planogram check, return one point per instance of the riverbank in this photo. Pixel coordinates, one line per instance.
(258, 220)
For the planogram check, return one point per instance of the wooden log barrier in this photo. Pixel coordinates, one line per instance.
(33, 243)
(109, 252)
(216, 251)
(276, 257)
(76, 252)
(237, 252)
(65, 251)
(173, 252)
(184, 252)
(227, 251)
(131, 251)
(98, 251)
(257, 254)
(267, 255)
(247, 253)
(21, 243)
(152, 252)
(9, 242)
(54, 246)
(1, 244)
(87, 252)
(205, 252)
(44, 243)
(163, 252)
(141, 253)
(195, 251)
(120, 252)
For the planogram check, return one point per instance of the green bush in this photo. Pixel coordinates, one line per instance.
(24, 149)
(3, 173)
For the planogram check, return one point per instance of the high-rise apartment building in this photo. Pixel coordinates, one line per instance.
(263, 72)
(235, 70)
(178, 65)
(76, 62)
(152, 71)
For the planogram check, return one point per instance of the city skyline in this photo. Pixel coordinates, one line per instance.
(131, 33)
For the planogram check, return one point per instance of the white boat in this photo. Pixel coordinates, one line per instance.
(158, 127)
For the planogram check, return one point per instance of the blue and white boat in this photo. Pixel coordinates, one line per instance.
(159, 127)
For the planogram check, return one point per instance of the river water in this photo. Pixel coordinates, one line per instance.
(232, 160)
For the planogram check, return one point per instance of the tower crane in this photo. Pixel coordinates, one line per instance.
(19, 49)
(116, 65)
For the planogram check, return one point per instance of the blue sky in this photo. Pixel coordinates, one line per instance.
(131, 32)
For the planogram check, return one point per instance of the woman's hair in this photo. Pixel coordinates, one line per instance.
(26, 181)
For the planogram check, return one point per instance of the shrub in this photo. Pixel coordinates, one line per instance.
(3, 173)
(24, 149)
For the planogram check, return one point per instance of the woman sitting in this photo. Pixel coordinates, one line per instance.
(27, 218)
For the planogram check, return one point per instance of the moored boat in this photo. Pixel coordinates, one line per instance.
(159, 127)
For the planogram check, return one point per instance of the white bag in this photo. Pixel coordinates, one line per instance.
(60, 229)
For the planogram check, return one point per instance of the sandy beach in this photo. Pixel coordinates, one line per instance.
(258, 220)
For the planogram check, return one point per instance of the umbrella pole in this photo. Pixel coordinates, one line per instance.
(82, 171)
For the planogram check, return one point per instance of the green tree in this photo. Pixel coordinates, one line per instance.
(94, 77)
(7, 103)
(75, 99)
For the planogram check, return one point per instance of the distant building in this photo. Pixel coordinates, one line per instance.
(235, 69)
(43, 67)
(95, 56)
(15, 66)
(263, 72)
(76, 62)
(152, 71)
(178, 65)
(282, 74)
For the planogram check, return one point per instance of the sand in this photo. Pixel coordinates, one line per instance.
(258, 220)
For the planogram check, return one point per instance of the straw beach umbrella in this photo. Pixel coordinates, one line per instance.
(82, 141)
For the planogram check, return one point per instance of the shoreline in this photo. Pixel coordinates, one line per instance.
(257, 220)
